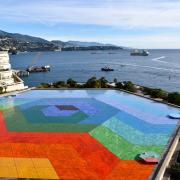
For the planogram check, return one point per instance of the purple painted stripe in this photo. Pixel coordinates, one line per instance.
(141, 115)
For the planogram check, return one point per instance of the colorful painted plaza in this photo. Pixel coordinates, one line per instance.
(81, 134)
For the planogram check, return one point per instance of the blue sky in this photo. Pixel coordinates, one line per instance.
(131, 23)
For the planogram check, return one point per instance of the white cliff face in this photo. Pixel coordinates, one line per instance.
(8, 80)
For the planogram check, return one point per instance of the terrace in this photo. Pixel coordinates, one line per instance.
(80, 134)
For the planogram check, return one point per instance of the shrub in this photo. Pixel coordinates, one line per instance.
(103, 82)
(129, 86)
(59, 84)
(71, 83)
(92, 83)
(174, 98)
(155, 93)
(146, 90)
(45, 85)
(126, 85)
(119, 85)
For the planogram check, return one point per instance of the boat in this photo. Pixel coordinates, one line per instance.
(149, 157)
(34, 69)
(137, 52)
(107, 69)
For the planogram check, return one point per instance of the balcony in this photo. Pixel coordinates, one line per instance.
(6, 74)
(4, 82)
(5, 66)
(4, 58)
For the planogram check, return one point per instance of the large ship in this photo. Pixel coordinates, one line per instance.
(38, 69)
(137, 52)
(35, 69)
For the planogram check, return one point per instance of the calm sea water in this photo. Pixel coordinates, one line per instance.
(161, 69)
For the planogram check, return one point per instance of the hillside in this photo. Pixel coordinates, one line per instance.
(88, 44)
(22, 42)
(23, 38)
(79, 44)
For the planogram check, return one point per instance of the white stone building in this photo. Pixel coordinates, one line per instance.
(9, 81)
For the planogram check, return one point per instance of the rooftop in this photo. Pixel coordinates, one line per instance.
(80, 134)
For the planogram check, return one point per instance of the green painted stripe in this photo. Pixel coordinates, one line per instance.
(15, 121)
(119, 146)
(135, 136)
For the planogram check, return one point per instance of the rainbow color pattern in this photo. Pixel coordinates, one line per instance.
(80, 134)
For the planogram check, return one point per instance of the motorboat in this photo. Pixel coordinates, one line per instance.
(107, 69)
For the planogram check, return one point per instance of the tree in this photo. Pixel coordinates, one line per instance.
(119, 85)
(92, 83)
(126, 85)
(174, 98)
(155, 93)
(59, 84)
(45, 85)
(103, 82)
(71, 83)
(129, 86)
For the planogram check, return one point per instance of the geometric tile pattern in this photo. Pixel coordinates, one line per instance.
(32, 116)
(120, 146)
(67, 107)
(26, 168)
(67, 116)
(85, 134)
(135, 136)
(54, 111)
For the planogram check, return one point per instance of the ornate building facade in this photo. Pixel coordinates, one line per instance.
(9, 81)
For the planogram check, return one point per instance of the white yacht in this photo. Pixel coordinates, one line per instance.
(137, 52)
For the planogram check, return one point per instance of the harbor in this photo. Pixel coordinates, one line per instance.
(82, 65)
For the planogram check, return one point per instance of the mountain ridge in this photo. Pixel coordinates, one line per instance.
(23, 42)
(23, 37)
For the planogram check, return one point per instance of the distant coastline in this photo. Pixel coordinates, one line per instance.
(23, 43)
(81, 65)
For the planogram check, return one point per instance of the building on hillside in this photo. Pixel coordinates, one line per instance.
(9, 81)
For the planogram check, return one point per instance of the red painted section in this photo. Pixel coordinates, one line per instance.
(73, 155)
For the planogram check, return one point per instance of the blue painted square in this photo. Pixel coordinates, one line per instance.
(54, 111)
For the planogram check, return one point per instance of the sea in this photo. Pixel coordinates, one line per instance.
(161, 69)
